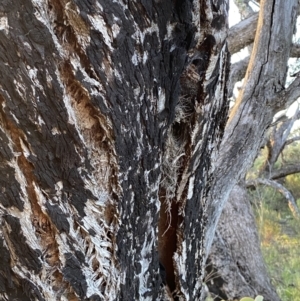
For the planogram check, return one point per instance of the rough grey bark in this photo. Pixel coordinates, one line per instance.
(93, 120)
(235, 267)
(240, 36)
(260, 98)
(235, 236)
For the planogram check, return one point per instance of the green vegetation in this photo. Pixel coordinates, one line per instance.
(280, 241)
(279, 231)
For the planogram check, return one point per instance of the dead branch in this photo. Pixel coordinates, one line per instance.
(286, 97)
(292, 140)
(243, 34)
(285, 171)
(280, 188)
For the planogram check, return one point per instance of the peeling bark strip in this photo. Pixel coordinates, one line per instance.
(99, 99)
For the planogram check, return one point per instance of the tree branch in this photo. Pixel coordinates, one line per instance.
(287, 96)
(280, 188)
(295, 51)
(243, 34)
(292, 140)
(254, 108)
(277, 140)
(237, 73)
(285, 171)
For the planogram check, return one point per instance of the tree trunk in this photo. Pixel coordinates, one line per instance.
(235, 267)
(104, 159)
(262, 95)
(113, 173)
(234, 271)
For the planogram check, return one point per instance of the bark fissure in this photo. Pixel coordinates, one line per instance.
(198, 103)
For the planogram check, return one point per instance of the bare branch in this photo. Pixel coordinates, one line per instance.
(292, 140)
(287, 96)
(242, 34)
(237, 73)
(295, 51)
(280, 188)
(285, 171)
(277, 139)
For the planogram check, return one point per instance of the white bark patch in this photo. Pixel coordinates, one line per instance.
(100, 25)
(180, 260)
(191, 187)
(14, 117)
(20, 89)
(4, 24)
(20, 177)
(25, 149)
(55, 131)
(139, 35)
(170, 29)
(161, 100)
(115, 29)
(101, 259)
(196, 20)
(33, 76)
(145, 261)
(42, 14)
(41, 121)
(135, 59)
(29, 233)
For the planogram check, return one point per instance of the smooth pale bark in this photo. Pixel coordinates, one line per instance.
(105, 160)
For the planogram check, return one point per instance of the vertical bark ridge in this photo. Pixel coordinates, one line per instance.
(200, 117)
